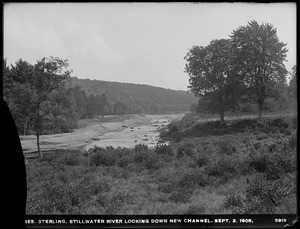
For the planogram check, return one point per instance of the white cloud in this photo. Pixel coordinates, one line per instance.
(137, 42)
(34, 36)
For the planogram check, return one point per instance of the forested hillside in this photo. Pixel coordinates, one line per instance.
(134, 98)
(44, 100)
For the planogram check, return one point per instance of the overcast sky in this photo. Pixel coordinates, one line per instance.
(142, 43)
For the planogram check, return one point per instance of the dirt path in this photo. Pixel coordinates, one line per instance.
(124, 131)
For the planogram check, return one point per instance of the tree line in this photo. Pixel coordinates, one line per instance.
(229, 74)
(43, 98)
(135, 98)
(41, 103)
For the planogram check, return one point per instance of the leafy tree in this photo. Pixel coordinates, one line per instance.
(91, 105)
(49, 74)
(103, 104)
(212, 78)
(293, 84)
(120, 108)
(18, 91)
(80, 100)
(258, 57)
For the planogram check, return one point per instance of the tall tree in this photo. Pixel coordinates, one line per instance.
(212, 77)
(259, 57)
(103, 104)
(120, 108)
(18, 92)
(91, 105)
(293, 87)
(49, 74)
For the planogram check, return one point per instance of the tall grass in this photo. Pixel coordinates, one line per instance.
(249, 171)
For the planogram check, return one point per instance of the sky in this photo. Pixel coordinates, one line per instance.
(142, 43)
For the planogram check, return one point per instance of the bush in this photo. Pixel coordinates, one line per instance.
(147, 158)
(71, 158)
(98, 187)
(65, 199)
(259, 162)
(116, 202)
(201, 161)
(152, 161)
(274, 159)
(262, 196)
(164, 150)
(185, 150)
(181, 195)
(226, 147)
(140, 148)
(223, 169)
(292, 142)
(166, 187)
(233, 201)
(190, 180)
(125, 160)
(101, 156)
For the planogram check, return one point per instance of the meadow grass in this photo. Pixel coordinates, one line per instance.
(244, 167)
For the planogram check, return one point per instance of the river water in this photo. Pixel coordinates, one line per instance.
(136, 130)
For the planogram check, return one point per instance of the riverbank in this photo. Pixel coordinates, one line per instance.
(124, 131)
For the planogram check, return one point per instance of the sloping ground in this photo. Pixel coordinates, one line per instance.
(238, 173)
(196, 126)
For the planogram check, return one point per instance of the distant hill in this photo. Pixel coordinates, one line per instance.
(138, 98)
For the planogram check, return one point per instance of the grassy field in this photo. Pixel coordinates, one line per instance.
(245, 166)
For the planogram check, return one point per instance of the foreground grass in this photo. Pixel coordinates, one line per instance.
(244, 167)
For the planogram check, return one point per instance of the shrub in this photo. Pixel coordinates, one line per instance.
(37, 204)
(102, 200)
(226, 147)
(140, 147)
(202, 160)
(125, 160)
(164, 150)
(152, 161)
(71, 159)
(116, 202)
(186, 149)
(273, 160)
(101, 156)
(281, 123)
(166, 187)
(292, 142)
(181, 195)
(259, 162)
(233, 201)
(225, 169)
(65, 199)
(192, 179)
(118, 172)
(262, 196)
(147, 158)
(98, 187)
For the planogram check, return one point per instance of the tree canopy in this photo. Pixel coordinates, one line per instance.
(259, 58)
(248, 67)
(212, 77)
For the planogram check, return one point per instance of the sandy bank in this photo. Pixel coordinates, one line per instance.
(124, 131)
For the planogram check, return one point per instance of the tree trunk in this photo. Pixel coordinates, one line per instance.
(38, 144)
(222, 120)
(260, 105)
